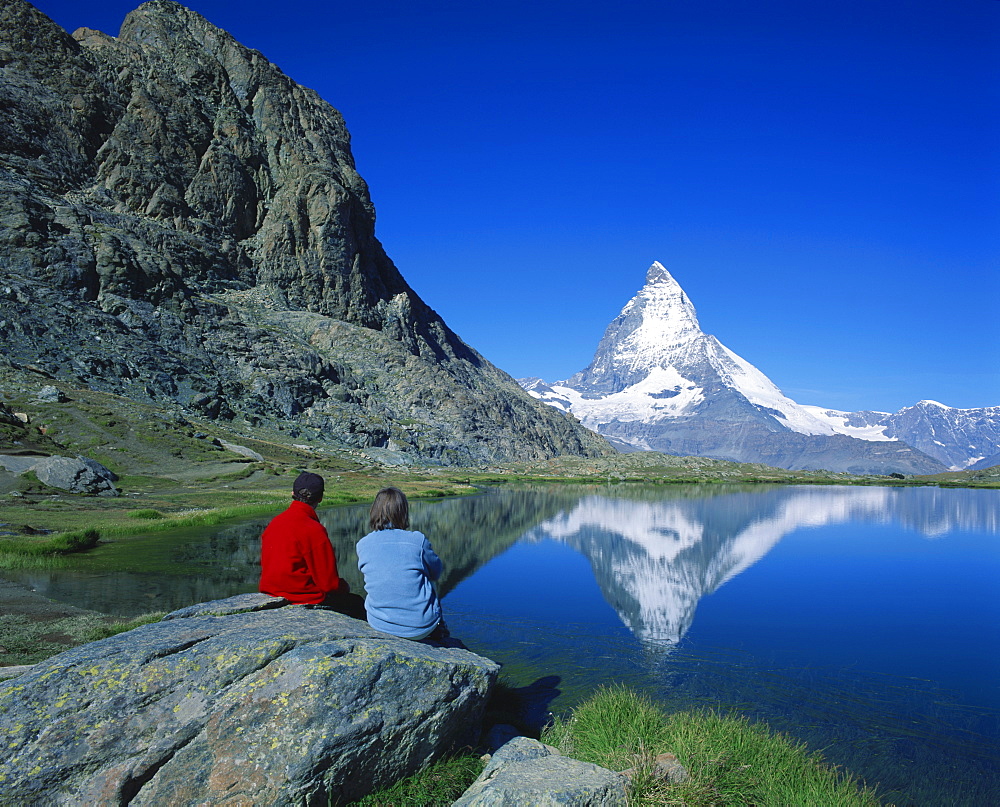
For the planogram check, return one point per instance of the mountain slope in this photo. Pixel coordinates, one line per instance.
(183, 224)
(658, 382)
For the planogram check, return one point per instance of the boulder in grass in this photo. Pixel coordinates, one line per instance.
(77, 475)
(50, 394)
(525, 771)
(285, 705)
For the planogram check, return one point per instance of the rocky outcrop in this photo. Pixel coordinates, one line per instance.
(77, 475)
(50, 394)
(241, 701)
(183, 224)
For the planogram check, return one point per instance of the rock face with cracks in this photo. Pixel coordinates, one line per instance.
(182, 224)
(235, 702)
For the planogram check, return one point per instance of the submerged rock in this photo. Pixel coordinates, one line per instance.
(286, 705)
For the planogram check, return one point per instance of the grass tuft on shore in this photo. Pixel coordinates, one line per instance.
(25, 552)
(15, 561)
(731, 761)
(24, 640)
(104, 630)
(147, 514)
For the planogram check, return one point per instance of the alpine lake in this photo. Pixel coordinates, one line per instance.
(864, 621)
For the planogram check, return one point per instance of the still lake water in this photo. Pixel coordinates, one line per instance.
(864, 621)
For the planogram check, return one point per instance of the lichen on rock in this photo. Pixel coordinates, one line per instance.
(276, 706)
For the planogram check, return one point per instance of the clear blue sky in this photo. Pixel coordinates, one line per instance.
(821, 176)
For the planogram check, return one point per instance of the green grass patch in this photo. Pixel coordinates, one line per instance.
(440, 783)
(103, 631)
(36, 563)
(24, 640)
(65, 543)
(335, 499)
(731, 761)
(209, 517)
(148, 514)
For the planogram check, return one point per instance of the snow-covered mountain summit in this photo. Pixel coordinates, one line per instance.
(658, 382)
(657, 328)
(655, 362)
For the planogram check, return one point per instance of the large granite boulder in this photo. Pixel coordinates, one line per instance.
(73, 474)
(231, 704)
(77, 475)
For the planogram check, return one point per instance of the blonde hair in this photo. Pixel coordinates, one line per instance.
(389, 510)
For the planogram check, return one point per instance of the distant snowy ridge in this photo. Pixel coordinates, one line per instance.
(959, 438)
(658, 382)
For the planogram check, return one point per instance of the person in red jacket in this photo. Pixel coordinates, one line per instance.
(297, 561)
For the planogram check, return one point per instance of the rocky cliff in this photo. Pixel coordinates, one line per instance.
(182, 223)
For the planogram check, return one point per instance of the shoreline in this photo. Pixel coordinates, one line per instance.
(19, 600)
(23, 611)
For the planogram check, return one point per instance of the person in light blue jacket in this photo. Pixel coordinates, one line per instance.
(400, 568)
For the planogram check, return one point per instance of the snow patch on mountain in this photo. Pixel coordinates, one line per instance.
(667, 327)
(844, 423)
(664, 393)
(757, 388)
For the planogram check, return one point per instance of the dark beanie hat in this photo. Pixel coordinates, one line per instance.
(309, 481)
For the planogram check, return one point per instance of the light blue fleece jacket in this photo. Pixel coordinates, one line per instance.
(399, 567)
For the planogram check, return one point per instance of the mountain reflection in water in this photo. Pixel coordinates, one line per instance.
(654, 551)
(656, 559)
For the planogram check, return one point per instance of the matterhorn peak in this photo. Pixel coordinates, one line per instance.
(658, 382)
(656, 323)
(657, 273)
(666, 309)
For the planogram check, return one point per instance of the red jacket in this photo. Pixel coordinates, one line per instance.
(296, 558)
